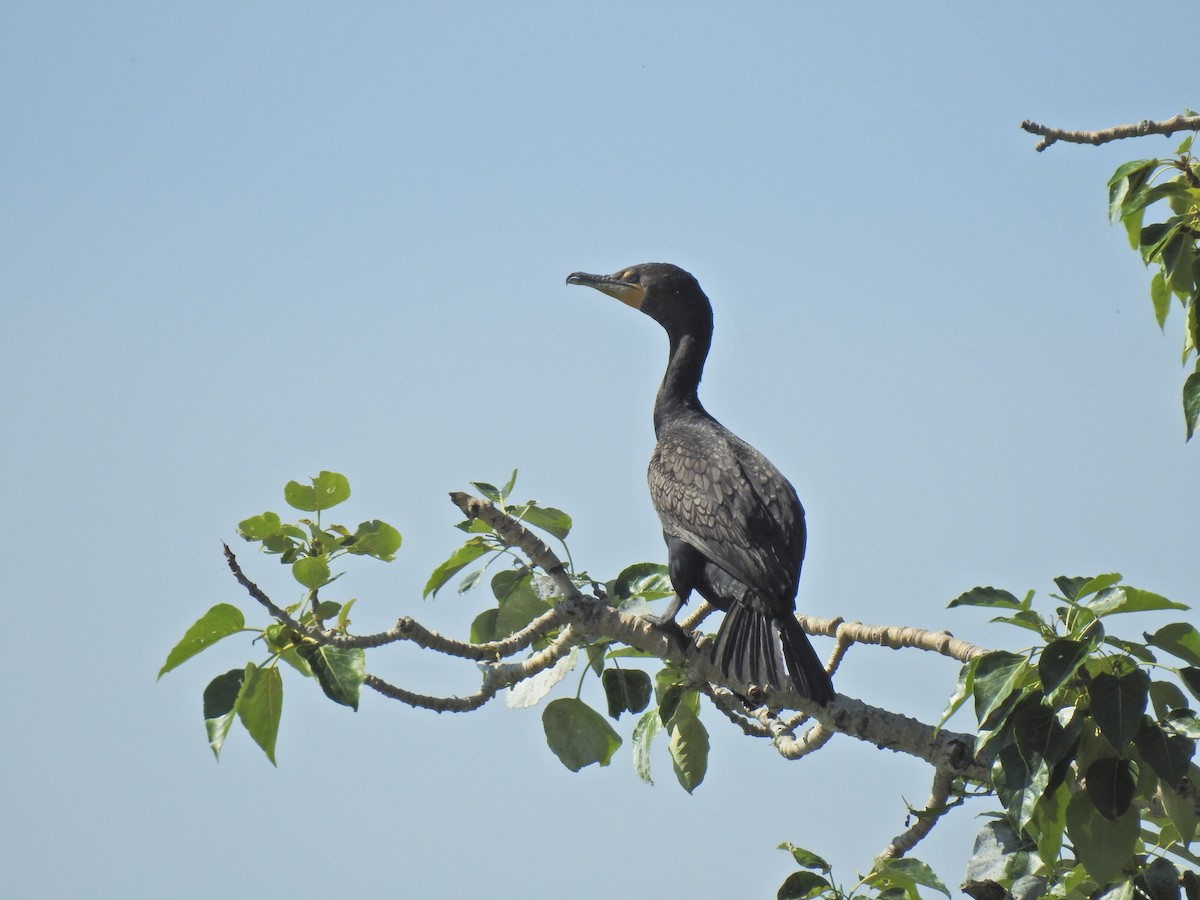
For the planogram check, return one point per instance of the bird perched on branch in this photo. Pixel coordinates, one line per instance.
(733, 524)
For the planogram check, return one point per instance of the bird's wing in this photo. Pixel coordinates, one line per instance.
(724, 498)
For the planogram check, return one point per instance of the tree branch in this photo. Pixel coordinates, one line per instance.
(405, 629)
(1167, 127)
(590, 618)
(892, 636)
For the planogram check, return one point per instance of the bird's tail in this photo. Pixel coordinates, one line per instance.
(748, 651)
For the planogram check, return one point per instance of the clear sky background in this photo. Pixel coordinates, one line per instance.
(240, 243)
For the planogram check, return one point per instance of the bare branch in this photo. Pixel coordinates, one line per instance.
(935, 807)
(784, 733)
(893, 636)
(1167, 127)
(496, 679)
(692, 621)
(424, 701)
(733, 708)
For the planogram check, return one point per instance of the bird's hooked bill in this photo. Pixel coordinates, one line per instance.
(621, 285)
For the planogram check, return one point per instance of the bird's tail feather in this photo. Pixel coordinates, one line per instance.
(748, 648)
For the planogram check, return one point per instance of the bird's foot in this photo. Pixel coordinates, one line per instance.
(673, 630)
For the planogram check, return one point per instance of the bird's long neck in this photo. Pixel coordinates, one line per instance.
(677, 393)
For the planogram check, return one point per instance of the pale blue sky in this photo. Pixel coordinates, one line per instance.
(242, 243)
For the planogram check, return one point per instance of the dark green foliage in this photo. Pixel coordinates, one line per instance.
(1073, 714)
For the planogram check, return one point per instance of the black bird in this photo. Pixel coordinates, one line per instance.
(733, 524)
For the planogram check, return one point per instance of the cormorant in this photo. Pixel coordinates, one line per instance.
(733, 524)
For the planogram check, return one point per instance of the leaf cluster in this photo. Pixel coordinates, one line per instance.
(888, 879)
(253, 694)
(577, 733)
(1090, 738)
(1171, 246)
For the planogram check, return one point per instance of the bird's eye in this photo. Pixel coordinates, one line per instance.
(629, 275)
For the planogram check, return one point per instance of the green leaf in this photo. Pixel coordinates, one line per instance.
(596, 656)
(648, 726)
(800, 885)
(1181, 810)
(1159, 880)
(1070, 585)
(327, 609)
(1049, 823)
(805, 858)
(1166, 696)
(1095, 584)
(220, 705)
(1178, 254)
(578, 735)
(219, 622)
(1167, 190)
(626, 690)
(459, 559)
(1160, 296)
(1155, 237)
(1105, 847)
(328, 489)
(311, 571)
(1125, 183)
(1019, 780)
(962, 690)
(996, 677)
(257, 528)
(1118, 703)
(1133, 227)
(986, 596)
(1191, 402)
(340, 671)
(490, 491)
(1110, 786)
(343, 616)
(1167, 753)
(1023, 618)
(520, 607)
(483, 629)
(261, 705)
(650, 581)
(377, 539)
(1191, 884)
(906, 871)
(1060, 660)
(1180, 640)
(1038, 732)
(1190, 676)
(688, 747)
(547, 518)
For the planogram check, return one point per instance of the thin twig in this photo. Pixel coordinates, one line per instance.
(935, 808)
(1167, 127)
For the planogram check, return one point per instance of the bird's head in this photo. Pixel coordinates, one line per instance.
(666, 293)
